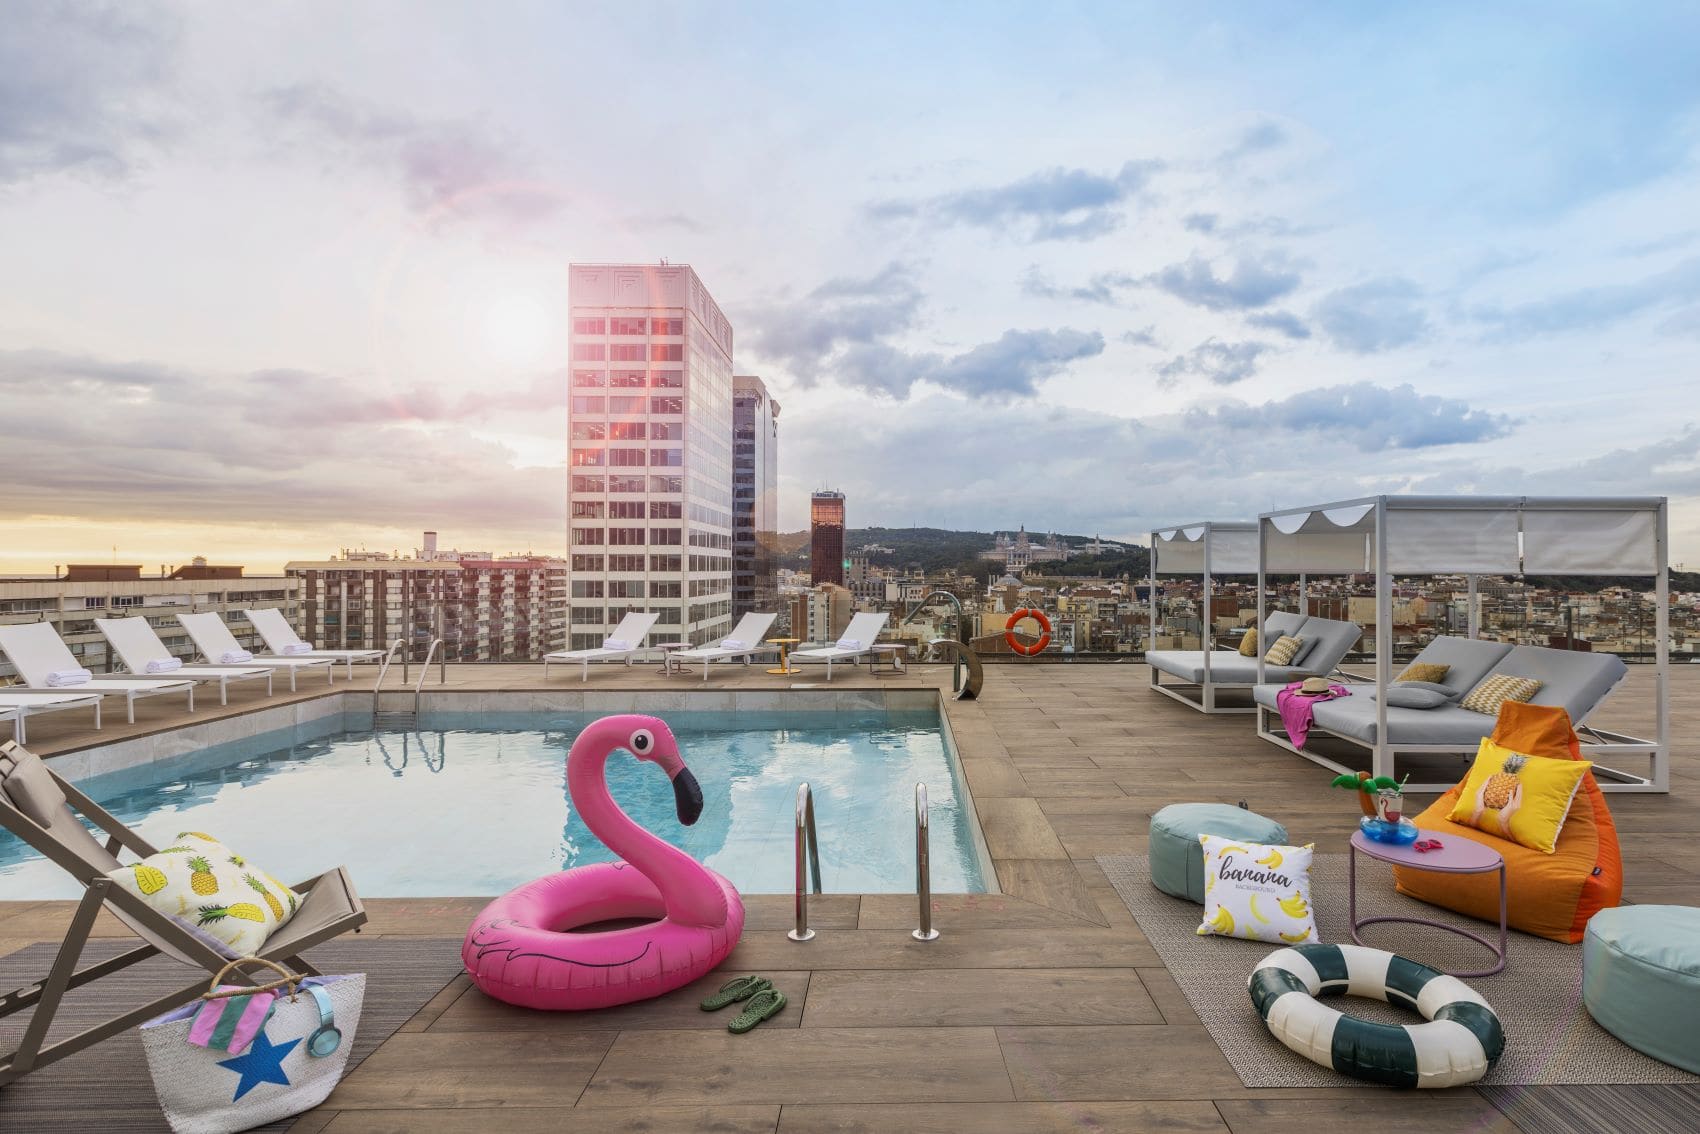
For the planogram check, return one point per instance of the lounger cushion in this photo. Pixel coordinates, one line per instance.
(1467, 660)
(1496, 689)
(1327, 641)
(1285, 651)
(201, 881)
(1226, 667)
(1575, 681)
(1414, 695)
(1281, 622)
(1354, 715)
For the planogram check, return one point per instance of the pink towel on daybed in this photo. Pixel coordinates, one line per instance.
(1297, 709)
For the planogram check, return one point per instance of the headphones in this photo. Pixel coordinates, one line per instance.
(327, 1037)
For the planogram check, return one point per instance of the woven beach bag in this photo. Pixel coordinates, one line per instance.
(291, 1065)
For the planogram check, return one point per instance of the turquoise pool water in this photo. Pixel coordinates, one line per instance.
(476, 804)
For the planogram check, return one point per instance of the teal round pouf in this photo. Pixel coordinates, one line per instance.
(1641, 979)
(1177, 861)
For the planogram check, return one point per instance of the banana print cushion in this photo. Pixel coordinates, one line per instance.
(1255, 891)
(199, 880)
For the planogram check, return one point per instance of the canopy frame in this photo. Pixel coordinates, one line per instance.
(1648, 525)
(1215, 556)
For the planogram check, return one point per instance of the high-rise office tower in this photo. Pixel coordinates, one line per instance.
(826, 538)
(755, 496)
(650, 498)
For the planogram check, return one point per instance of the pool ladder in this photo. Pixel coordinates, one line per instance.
(808, 865)
(405, 718)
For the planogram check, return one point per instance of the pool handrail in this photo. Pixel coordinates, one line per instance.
(808, 841)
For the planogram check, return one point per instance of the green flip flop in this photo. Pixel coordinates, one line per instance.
(734, 990)
(764, 1005)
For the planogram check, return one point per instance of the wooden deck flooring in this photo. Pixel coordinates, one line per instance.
(1040, 1008)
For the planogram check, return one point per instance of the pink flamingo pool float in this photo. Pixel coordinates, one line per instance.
(521, 950)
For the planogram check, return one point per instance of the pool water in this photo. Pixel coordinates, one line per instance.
(475, 804)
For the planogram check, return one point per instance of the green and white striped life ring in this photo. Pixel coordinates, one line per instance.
(1458, 1042)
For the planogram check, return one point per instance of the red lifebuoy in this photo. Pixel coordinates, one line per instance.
(1044, 632)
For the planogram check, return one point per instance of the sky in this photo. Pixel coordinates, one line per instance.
(279, 279)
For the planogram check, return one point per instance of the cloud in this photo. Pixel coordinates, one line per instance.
(1256, 139)
(1282, 322)
(1255, 281)
(136, 442)
(1054, 204)
(84, 89)
(1101, 288)
(1222, 363)
(1594, 307)
(844, 329)
(1144, 336)
(1374, 316)
(439, 165)
(1373, 418)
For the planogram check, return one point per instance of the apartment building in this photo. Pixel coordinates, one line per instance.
(755, 496)
(651, 426)
(84, 592)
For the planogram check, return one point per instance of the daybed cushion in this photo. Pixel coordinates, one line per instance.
(1226, 667)
(1468, 660)
(1279, 622)
(1641, 979)
(1574, 681)
(1326, 643)
(1549, 895)
(1414, 695)
(1177, 857)
(1354, 716)
(1285, 651)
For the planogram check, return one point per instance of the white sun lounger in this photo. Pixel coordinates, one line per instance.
(744, 641)
(282, 640)
(16, 706)
(214, 640)
(624, 642)
(137, 645)
(857, 641)
(36, 650)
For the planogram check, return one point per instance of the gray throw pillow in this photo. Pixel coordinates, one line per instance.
(1405, 695)
(1431, 686)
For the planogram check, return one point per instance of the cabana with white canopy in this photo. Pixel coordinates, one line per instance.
(1206, 549)
(1471, 536)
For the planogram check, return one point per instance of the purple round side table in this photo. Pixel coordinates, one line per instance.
(1456, 856)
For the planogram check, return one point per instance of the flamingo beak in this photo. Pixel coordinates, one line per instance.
(687, 795)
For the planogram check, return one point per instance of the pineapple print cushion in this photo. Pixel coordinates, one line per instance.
(199, 880)
(1256, 891)
(1522, 798)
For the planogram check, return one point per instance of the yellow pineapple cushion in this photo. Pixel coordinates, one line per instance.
(1432, 672)
(1496, 689)
(1248, 644)
(1522, 798)
(1285, 649)
(199, 880)
(1256, 891)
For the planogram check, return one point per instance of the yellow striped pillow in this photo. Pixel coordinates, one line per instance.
(1496, 689)
(1285, 649)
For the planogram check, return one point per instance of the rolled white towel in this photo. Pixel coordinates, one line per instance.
(296, 648)
(849, 643)
(616, 644)
(60, 678)
(235, 657)
(164, 665)
(734, 644)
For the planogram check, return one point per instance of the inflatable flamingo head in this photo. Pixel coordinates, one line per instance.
(649, 738)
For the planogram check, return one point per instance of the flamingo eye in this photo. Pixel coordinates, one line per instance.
(643, 742)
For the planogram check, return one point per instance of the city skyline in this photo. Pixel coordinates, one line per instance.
(1236, 264)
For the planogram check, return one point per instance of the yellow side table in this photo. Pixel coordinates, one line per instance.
(784, 645)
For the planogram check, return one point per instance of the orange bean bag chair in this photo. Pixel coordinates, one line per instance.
(1548, 895)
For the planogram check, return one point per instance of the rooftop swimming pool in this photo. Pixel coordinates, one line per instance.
(476, 803)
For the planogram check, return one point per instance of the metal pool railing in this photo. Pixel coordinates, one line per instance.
(808, 848)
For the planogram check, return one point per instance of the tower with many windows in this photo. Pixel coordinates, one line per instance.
(649, 500)
(755, 496)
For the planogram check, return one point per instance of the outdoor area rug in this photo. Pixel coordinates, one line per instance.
(1549, 1036)
(106, 1087)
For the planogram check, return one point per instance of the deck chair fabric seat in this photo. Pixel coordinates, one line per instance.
(1573, 680)
(282, 640)
(623, 644)
(1226, 667)
(746, 640)
(16, 706)
(1354, 716)
(862, 631)
(137, 644)
(36, 650)
(43, 810)
(1467, 661)
(214, 640)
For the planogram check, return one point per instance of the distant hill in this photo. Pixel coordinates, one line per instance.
(940, 549)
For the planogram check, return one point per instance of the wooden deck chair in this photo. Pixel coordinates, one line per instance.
(42, 809)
